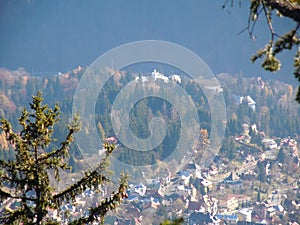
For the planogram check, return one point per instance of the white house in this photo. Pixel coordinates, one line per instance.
(140, 189)
(245, 213)
(143, 79)
(156, 75)
(248, 99)
(269, 143)
(175, 78)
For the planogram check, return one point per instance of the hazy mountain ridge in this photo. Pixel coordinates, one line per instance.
(276, 113)
(17, 87)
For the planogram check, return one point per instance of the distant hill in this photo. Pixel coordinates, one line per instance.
(276, 113)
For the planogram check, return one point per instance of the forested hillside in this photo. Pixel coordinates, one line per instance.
(276, 112)
(273, 109)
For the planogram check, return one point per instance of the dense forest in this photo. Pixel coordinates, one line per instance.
(276, 114)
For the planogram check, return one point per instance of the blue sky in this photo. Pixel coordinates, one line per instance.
(52, 36)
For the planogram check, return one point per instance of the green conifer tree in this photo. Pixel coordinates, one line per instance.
(26, 178)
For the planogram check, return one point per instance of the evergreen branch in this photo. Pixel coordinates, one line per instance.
(98, 213)
(8, 195)
(18, 215)
(287, 41)
(5, 126)
(6, 165)
(178, 221)
(286, 9)
(63, 150)
(5, 194)
(13, 180)
(29, 170)
(11, 173)
(91, 179)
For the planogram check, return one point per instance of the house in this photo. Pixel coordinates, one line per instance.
(140, 189)
(228, 218)
(253, 127)
(156, 75)
(275, 197)
(206, 184)
(250, 101)
(244, 138)
(228, 203)
(68, 207)
(151, 203)
(185, 176)
(183, 191)
(271, 211)
(232, 177)
(165, 178)
(295, 204)
(236, 185)
(259, 211)
(268, 154)
(233, 181)
(280, 211)
(152, 181)
(54, 215)
(213, 170)
(243, 200)
(193, 167)
(203, 218)
(245, 214)
(211, 204)
(132, 198)
(111, 140)
(129, 215)
(142, 78)
(247, 99)
(172, 198)
(196, 206)
(293, 184)
(175, 78)
(245, 129)
(79, 201)
(290, 144)
(269, 143)
(249, 175)
(156, 191)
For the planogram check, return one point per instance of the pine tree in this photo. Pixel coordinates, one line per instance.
(26, 179)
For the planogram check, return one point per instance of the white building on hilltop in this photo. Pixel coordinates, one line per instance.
(156, 75)
(248, 99)
(175, 78)
(269, 143)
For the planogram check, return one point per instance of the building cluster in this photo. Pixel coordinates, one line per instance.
(156, 75)
(216, 195)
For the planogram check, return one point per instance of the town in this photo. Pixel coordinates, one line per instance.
(260, 188)
(252, 179)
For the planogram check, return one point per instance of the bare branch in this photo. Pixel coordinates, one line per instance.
(269, 21)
